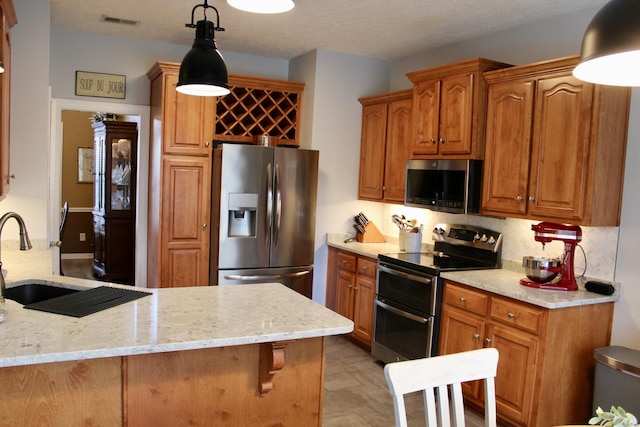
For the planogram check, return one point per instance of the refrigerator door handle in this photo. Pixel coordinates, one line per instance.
(266, 276)
(276, 222)
(269, 213)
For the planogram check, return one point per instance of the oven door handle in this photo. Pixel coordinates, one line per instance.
(402, 313)
(405, 275)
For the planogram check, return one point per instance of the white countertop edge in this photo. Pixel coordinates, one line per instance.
(507, 283)
(165, 348)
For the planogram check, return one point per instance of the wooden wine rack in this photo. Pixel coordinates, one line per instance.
(257, 107)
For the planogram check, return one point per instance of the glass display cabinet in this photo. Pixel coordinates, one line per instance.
(114, 201)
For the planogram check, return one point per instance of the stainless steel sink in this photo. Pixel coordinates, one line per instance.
(31, 293)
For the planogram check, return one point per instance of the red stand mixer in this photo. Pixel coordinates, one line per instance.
(544, 233)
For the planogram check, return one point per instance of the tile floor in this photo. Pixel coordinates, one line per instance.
(80, 268)
(356, 393)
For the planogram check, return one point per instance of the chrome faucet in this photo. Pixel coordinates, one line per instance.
(25, 243)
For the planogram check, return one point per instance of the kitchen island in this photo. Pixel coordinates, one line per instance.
(236, 356)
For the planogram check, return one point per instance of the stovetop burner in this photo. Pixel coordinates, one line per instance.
(456, 248)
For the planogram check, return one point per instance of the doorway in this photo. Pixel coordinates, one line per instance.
(138, 113)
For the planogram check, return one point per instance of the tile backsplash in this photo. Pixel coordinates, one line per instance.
(597, 250)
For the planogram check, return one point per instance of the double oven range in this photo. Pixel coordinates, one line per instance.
(409, 289)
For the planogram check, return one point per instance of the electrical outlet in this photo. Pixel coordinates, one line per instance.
(83, 237)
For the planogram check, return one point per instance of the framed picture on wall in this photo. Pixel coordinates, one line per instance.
(85, 165)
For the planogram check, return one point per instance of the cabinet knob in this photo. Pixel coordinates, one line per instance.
(519, 198)
(343, 261)
(487, 340)
(350, 286)
(511, 315)
(441, 141)
(377, 187)
(433, 140)
(204, 226)
(364, 268)
(531, 198)
(206, 144)
(384, 188)
(462, 299)
(476, 336)
(12, 176)
(356, 289)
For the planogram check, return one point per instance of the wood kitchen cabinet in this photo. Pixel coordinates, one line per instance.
(7, 20)
(545, 370)
(351, 287)
(257, 107)
(555, 145)
(114, 200)
(386, 129)
(180, 177)
(182, 134)
(449, 109)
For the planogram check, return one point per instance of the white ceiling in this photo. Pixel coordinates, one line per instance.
(383, 29)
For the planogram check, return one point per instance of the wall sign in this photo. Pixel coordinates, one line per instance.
(100, 85)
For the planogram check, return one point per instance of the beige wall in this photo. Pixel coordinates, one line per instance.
(77, 132)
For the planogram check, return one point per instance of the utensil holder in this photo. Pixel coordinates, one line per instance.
(409, 242)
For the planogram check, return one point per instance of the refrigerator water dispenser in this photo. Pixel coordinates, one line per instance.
(242, 214)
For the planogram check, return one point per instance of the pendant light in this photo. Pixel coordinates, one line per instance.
(203, 71)
(611, 46)
(263, 6)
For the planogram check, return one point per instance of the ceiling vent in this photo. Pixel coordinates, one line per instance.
(121, 21)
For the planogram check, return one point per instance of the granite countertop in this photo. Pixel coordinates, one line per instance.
(505, 282)
(170, 319)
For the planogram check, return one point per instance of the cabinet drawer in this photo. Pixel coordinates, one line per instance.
(466, 299)
(367, 267)
(516, 314)
(346, 261)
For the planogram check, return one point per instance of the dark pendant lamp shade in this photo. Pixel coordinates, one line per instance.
(611, 46)
(203, 71)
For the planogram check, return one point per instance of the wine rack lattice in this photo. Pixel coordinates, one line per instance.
(260, 107)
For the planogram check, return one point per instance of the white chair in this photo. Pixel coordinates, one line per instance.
(444, 374)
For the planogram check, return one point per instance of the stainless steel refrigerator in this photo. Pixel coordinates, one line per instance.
(263, 216)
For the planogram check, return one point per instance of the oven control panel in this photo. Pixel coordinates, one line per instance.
(468, 235)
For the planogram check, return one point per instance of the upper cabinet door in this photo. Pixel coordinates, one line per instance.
(456, 109)
(426, 116)
(188, 121)
(560, 149)
(398, 136)
(508, 146)
(372, 151)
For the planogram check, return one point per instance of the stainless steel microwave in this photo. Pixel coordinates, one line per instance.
(452, 186)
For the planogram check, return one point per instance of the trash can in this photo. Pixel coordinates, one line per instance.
(617, 379)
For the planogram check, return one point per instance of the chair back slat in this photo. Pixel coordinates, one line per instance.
(444, 374)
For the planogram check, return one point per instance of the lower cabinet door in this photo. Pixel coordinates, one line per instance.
(461, 331)
(515, 379)
(363, 309)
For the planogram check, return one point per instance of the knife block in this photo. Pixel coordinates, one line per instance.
(371, 234)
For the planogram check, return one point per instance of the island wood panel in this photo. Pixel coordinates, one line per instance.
(219, 387)
(62, 394)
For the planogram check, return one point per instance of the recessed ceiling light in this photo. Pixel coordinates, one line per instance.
(263, 6)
